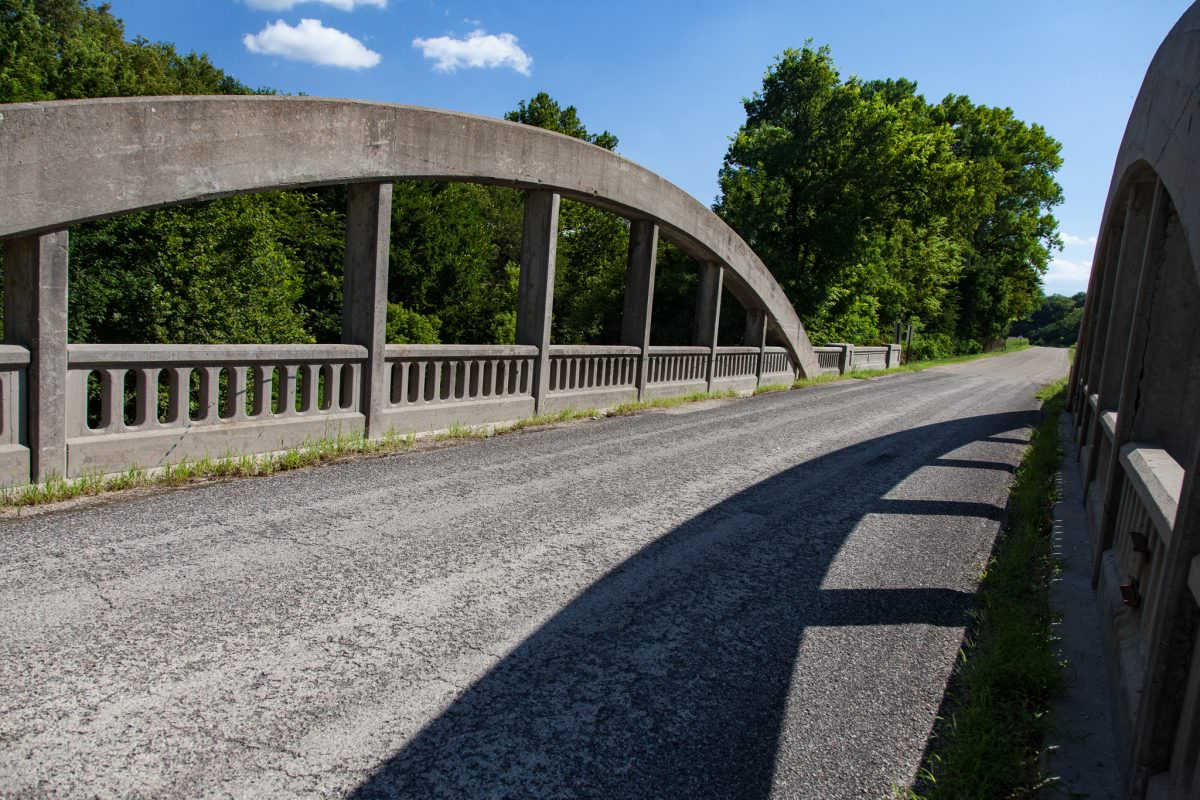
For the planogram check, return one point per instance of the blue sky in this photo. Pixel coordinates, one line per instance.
(668, 77)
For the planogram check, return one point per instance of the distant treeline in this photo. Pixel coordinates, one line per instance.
(869, 204)
(1055, 323)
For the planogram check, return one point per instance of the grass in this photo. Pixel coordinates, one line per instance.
(324, 450)
(634, 406)
(1009, 671)
(58, 489)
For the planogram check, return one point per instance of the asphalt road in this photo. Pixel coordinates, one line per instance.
(756, 598)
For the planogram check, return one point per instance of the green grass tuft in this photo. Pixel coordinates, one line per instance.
(1010, 671)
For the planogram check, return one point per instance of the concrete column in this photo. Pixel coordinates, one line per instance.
(708, 314)
(364, 305)
(535, 289)
(846, 360)
(756, 336)
(35, 317)
(1135, 332)
(639, 293)
(893, 356)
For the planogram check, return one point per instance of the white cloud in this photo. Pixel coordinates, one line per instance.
(313, 42)
(1072, 239)
(288, 5)
(1067, 276)
(478, 49)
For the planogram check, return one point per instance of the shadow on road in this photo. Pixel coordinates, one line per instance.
(670, 676)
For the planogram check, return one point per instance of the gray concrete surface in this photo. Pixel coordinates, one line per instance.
(1082, 748)
(758, 598)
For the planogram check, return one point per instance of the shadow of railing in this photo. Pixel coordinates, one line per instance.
(670, 676)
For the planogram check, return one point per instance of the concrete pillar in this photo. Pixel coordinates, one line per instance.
(639, 293)
(1136, 332)
(35, 317)
(893, 356)
(364, 304)
(708, 314)
(846, 359)
(535, 289)
(756, 336)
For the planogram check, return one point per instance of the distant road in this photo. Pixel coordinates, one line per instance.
(755, 598)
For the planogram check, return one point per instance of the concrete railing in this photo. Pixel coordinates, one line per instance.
(14, 456)
(677, 370)
(148, 405)
(592, 377)
(74, 409)
(829, 359)
(432, 387)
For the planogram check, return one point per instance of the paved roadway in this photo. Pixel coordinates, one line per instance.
(758, 598)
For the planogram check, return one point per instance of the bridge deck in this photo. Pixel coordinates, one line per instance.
(758, 597)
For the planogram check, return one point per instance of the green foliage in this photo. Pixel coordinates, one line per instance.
(405, 326)
(1055, 323)
(211, 273)
(58, 49)
(454, 255)
(543, 111)
(871, 205)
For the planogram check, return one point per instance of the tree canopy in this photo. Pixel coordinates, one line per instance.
(871, 205)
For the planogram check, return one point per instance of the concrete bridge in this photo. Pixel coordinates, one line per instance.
(753, 598)
(63, 163)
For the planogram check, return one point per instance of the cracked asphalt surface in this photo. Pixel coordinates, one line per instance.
(756, 598)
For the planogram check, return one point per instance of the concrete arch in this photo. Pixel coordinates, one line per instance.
(1135, 393)
(66, 162)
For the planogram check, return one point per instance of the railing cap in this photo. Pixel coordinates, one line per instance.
(393, 352)
(81, 356)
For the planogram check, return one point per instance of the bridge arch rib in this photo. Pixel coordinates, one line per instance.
(66, 162)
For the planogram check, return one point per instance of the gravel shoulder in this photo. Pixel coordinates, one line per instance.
(763, 598)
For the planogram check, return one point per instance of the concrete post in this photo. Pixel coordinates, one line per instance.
(1149, 253)
(535, 289)
(893, 356)
(35, 317)
(708, 314)
(846, 360)
(639, 293)
(364, 304)
(756, 336)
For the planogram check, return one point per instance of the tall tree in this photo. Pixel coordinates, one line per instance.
(870, 205)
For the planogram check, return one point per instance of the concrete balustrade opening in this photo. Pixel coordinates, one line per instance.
(76, 409)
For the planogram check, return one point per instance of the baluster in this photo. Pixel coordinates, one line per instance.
(210, 385)
(263, 380)
(179, 390)
(289, 375)
(77, 403)
(145, 412)
(310, 388)
(333, 387)
(235, 399)
(419, 385)
(399, 394)
(438, 377)
(112, 395)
